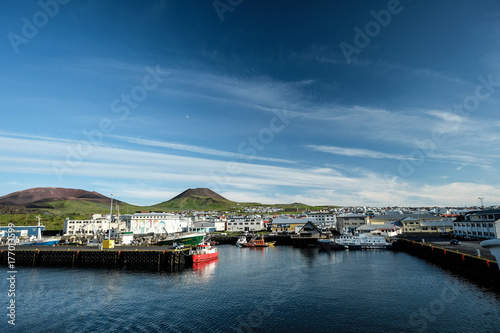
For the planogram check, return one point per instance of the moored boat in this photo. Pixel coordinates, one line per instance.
(188, 239)
(47, 241)
(242, 240)
(204, 252)
(330, 245)
(255, 243)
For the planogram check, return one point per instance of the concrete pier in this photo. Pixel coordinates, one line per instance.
(481, 270)
(149, 260)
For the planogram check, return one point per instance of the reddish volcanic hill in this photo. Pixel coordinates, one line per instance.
(199, 192)
(47, 194)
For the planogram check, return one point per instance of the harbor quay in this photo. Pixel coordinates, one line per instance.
(483, 270)
(133, 258)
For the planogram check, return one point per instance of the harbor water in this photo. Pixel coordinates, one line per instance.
(278, 289)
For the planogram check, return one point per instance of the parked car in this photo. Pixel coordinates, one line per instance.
(454, 242)
(223, 234)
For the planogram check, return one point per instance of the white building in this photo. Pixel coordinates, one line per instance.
(322, 219)
(245, 223)
(481, 224)
(158, 223)
(98, 224)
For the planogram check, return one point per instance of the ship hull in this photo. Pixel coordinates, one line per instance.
(197, 258)
(188, 240)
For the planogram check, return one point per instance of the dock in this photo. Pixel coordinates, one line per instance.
(135, 258)
(482, 270)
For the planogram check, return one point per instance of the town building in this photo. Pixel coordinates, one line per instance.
(350, 221)
(322, 219)
(97, 224)
(415, 223)
(158, 223)
(245, 223)
(481, 224)
(288, 225)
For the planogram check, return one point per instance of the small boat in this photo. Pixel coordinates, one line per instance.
(330, 245)
(53, 241)
(256, 243)
(242, 240)
(204, 252)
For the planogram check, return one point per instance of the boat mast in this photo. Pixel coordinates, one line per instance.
(110, 217)
(39, 234)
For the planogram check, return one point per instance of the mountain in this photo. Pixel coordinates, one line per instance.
(195, 199)
(36, 197)
(199, 192)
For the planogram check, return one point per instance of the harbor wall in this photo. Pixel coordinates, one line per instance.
(483, 271)
(137, 260)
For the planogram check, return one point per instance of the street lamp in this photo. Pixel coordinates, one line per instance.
(482, 204)
(110, 212)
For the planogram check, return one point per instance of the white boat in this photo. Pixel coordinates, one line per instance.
(241, 240)
(363, 241)
(39, 241)
(52, 241)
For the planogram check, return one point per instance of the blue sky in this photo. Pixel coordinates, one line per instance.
(331, 102)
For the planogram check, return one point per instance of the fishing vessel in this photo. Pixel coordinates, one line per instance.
(204, 252)
(38, 240)
(256, 243)
(188, 239)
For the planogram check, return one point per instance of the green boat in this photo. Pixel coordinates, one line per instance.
(188, 239)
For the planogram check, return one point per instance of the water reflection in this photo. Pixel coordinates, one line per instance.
(205, 270)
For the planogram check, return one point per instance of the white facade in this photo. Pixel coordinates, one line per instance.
(245, 223)
(158, 223)
(323, 219)
(483, 224)
(98, 224)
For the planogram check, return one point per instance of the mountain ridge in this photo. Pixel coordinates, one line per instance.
(40, 195)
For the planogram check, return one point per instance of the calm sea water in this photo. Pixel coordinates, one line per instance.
(280, 289)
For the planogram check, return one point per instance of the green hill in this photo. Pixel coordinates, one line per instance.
(196, 199)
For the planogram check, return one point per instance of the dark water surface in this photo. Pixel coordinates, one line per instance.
(280, 289)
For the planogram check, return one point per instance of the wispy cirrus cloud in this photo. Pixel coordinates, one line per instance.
(197, 149)
(356, 152)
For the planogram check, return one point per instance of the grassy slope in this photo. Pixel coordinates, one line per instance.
(195, 203)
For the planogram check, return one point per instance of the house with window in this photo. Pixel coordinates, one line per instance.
(350, 221)
(415, 223)
(245, 223)
(480, 224)
(322, 219)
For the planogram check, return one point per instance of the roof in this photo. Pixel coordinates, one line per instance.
(378, 226)
(290, 221)
(311, 226)
(400, 217)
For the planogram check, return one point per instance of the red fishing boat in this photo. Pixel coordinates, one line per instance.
(204, 252)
